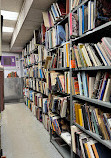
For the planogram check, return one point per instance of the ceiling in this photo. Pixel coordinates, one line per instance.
(30, 18)
(14, 6)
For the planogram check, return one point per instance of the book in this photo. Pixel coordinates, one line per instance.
(107, 91)
(102, 12)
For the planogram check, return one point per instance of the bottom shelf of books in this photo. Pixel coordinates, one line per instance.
(85, 146)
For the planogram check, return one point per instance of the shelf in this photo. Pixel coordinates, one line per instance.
(63, 138)
(63, 150)
(93, 33)
(92, 68)
(93, 101)
(33, 50)
(107, 143)
(76, 8)
(38, 92)
(59, 69)
(60, 93)
(58, 23)
(52, 49)
(29, 99)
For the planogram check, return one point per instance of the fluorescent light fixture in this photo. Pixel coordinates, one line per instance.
(8, 29)
(9, 15)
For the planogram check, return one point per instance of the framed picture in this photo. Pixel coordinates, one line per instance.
(8, 61)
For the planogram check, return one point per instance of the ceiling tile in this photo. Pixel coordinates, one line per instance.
(9, 23)
(11, 5)
(42, 4)
(31, 25)
(35, 15)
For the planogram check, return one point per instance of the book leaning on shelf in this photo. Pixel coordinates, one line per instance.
(84, 146)
(89, 54)
(93, 119)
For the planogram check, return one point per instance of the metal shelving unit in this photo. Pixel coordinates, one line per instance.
(90, 37)
(93, 35)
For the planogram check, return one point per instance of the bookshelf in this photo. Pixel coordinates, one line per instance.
(92, 36)
(63, 65)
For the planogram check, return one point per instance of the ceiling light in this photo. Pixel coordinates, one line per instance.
(9, 15)
(8, 29)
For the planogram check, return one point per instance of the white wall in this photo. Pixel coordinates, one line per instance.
(16, 68)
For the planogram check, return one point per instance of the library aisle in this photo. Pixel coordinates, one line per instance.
(23, 136)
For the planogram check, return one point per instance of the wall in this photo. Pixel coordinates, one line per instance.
(16, 68)
(0, 29)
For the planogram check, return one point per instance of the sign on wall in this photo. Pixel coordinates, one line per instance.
(8, 61)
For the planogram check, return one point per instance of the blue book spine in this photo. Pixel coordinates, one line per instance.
(103, 89)
(82, 19)
(54, 12)
(84, 84)
(102, 55)
(40, 73)
(59, 84)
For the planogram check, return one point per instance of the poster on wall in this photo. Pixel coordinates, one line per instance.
(8, 61)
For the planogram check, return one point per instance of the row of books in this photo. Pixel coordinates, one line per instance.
(88, 55)
(37, 100)
(82, 20)
(61, 106)
(86, 147)
(37, 112)
(29, 103)
(58, 10)
(93, 119)
(58, 124)
(46, 122)
(38, 38)
(96, 86)
(29, 94)
(32, 59)
(62, 82)
(55, 36)
(35, 71)
(88, 16)
(75, 3)
(60, 59)
(36, 57)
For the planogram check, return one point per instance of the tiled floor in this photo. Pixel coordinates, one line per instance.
(23, 136)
